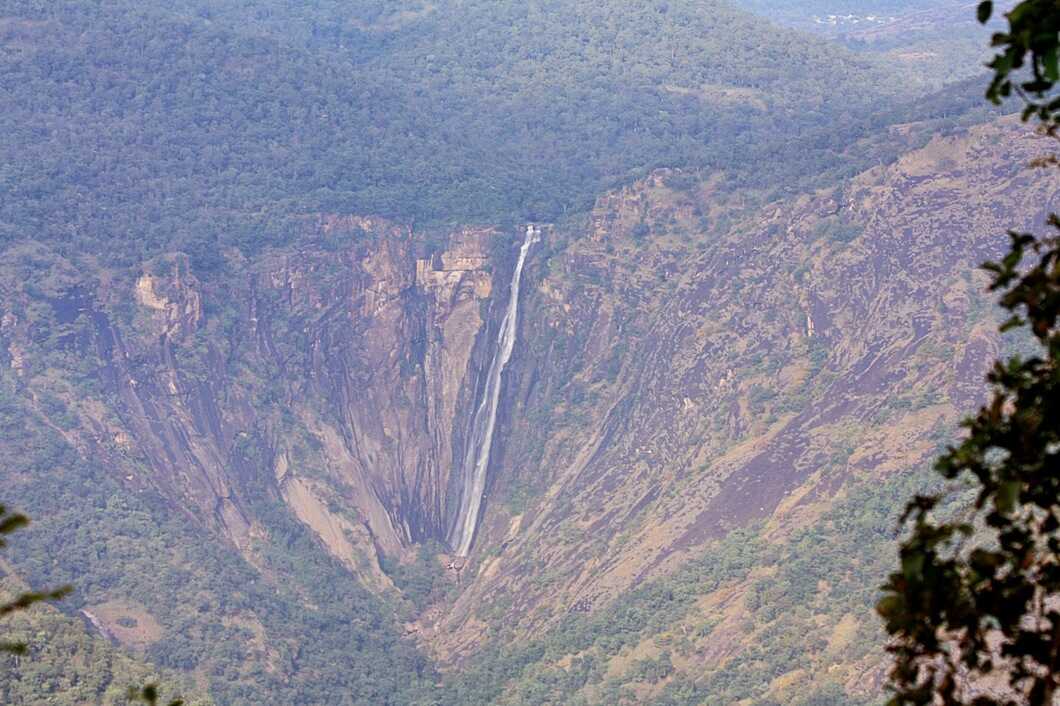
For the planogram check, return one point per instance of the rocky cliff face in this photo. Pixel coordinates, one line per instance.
(333, 378)
(688, 362)
(684, 376)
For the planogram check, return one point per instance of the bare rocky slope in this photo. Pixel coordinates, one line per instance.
(745, 375)
(689, 363)
(682, 377)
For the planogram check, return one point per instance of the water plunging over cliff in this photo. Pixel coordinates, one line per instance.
(480, 440)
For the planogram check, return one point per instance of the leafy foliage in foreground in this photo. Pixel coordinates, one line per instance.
(1029, 43)
(975, 608)
(9, 523)
(967, 582)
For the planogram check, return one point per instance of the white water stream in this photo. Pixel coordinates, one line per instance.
(480, 440)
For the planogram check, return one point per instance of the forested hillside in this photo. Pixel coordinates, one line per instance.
(172, 595)
(191, 125)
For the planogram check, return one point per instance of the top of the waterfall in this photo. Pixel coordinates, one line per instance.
(533, 232)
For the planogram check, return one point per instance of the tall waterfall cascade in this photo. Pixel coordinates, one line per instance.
(480, 439)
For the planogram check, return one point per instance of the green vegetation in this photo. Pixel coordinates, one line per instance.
(422, 581)
(808, 582)
(991, 570)
(62, 664)
(66, 665)
(136, 128)
(9, 523)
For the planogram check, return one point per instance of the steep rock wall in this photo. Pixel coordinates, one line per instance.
(332, 377)
(693, 366)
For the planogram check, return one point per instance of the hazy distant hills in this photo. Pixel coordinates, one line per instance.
(936, 41)
(862, 12)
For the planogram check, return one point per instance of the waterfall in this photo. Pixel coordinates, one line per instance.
(480, 440)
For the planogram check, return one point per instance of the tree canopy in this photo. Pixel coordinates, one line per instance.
(974, 610)
(11, 522)
(142, 127)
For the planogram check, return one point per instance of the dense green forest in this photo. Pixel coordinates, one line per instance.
(194, 125)
(67, 665)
